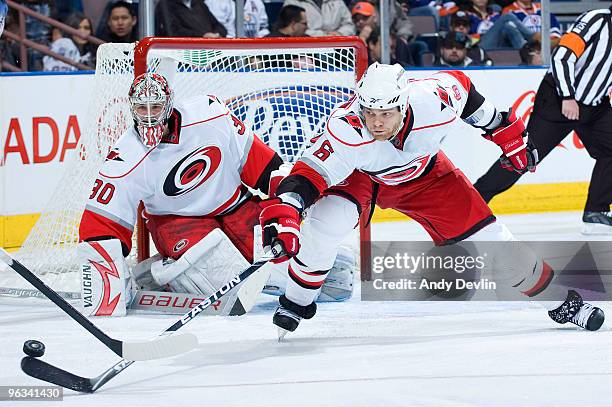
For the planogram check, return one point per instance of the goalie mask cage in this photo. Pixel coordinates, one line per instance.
(284, 88)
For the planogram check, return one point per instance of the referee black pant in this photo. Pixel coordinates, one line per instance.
(547, 128)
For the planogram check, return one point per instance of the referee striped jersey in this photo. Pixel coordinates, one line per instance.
(582, 63)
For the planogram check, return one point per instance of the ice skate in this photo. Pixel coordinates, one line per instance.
(597, 223)
(578, 312)
(288, 315)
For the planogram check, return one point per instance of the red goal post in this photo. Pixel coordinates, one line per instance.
(361, 61)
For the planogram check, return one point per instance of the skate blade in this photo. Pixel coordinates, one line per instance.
(281, 334)
(596, 229)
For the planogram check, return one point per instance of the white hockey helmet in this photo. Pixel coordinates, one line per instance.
(151, 104)
(384, 87)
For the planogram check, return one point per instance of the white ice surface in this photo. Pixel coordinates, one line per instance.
(351, 354)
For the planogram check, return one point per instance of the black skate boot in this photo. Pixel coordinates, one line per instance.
(288, 315)
(597, 223)
(578, 312)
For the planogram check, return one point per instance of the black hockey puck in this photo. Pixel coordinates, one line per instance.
(34, 348)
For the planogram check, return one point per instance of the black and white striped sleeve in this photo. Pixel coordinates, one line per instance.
(571, 47)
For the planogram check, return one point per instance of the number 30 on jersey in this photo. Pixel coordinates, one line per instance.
(103, 191)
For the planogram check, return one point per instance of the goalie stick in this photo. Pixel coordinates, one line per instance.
(44, 371)
(29, 293)
(162, 347)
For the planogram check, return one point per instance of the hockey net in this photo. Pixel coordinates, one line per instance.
(283, 88)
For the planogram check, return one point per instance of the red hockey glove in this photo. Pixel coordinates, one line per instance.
(509, 136)
(280, 223)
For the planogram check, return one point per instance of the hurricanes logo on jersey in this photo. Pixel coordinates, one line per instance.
(192, 171)
(394, 176)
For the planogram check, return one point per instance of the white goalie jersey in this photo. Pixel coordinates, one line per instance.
(199, 169)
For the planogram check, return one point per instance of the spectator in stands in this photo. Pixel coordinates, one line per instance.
(399, 51)
(121, 24)
(531, 53)
(529, 13)
(9, 49)
(454, 50)
(366, 19)
(66, 48)
(291, 22)
(400, 23)
(186, 18)
(422, 8)
(37, 30)
(255, 17)
(495, 30)
(326, 17)
(67, 7)
(460, 22)
(73, 47)
(87, 50)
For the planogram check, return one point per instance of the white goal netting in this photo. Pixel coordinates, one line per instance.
(283, 93)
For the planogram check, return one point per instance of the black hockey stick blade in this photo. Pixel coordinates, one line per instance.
(162, 347)
(42, 370)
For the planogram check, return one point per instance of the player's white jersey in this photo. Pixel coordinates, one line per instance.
(346, 144)
(198, 169)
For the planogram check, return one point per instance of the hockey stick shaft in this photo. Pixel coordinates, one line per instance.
(49, 373)
(168, 346)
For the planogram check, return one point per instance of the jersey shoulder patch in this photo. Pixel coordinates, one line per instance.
(125, 156)
(347, 127)
(431, 104)
(425, 93)
(200, 109)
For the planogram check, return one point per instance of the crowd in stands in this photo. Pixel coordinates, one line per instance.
(461, 33)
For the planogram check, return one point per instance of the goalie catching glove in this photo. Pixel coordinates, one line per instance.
(280, 223)
(510, 136)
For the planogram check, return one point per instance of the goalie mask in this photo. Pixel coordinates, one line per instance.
(384, 87)
(151, 104)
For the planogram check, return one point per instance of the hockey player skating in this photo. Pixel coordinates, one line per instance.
(384, 145)
(189, 163)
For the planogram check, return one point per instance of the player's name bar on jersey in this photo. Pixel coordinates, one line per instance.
(488, 271)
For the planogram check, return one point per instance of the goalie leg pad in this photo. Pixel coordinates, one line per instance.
(327, 223)
(104, 278)
(338, 284)
(141, 274)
